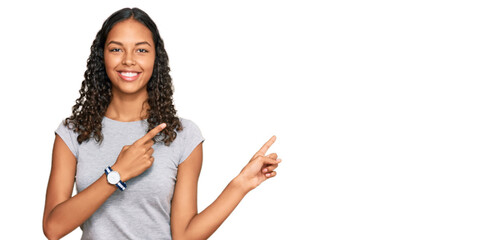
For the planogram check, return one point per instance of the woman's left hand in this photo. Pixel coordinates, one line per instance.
(260, 167)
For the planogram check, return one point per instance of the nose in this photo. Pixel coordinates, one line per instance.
(128, 59)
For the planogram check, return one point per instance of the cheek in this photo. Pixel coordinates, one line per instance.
(110, 61)
(148, 65)
(151, 62)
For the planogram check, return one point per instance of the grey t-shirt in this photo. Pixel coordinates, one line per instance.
(143, 210)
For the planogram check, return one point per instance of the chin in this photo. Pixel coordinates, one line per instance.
(130, 90)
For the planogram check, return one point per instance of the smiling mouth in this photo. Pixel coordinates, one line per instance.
(129, 76)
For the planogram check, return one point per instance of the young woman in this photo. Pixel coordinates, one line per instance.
(135, 163)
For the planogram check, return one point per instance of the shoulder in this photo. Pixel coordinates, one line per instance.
(62, 125)
(187, 122)
(66, 129)
(189, 127)
(68, 135)
(188, 138)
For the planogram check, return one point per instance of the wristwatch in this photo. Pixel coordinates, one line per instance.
(114, 178)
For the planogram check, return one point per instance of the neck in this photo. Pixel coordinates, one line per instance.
(128, 107)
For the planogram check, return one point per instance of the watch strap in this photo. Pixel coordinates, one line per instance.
(121, 185)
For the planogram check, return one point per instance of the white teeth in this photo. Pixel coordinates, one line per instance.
(129, 74)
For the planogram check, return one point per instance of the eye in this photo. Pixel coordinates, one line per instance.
(142, 50)
(114, 50)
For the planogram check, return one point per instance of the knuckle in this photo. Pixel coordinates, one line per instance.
(149, 162)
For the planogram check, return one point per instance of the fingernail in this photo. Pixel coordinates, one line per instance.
(265, 170)
(279, 159)
(267, 174)
(163, 125)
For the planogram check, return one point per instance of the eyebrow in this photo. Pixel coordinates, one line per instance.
(136, 44)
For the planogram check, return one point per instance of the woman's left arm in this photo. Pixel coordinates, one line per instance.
(186, 222)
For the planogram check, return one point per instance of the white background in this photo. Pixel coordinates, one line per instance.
(388, 114)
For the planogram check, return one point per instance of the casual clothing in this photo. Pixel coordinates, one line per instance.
(143, 210)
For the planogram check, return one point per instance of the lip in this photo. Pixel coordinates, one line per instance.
(129, 78)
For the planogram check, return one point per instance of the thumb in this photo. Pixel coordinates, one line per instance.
(272, 155)
(269, 160)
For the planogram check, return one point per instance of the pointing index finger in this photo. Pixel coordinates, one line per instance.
(152, 133)
(266, 146)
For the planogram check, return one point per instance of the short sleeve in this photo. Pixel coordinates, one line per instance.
(190, 137)
(69, 137)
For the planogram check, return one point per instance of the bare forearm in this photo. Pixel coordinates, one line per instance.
(70, 214)
(207, 222)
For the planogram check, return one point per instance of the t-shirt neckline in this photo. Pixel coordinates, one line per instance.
(120, 122)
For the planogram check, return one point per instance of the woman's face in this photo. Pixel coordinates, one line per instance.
(129, 55)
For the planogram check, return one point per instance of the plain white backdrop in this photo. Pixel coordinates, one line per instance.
(388, 114)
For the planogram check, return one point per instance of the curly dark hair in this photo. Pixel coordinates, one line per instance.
(96, 92)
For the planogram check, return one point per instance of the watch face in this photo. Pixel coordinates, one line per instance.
(113, 177)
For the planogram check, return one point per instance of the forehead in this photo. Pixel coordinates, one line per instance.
(129, 31)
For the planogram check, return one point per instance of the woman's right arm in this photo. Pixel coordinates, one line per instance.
(63, 213)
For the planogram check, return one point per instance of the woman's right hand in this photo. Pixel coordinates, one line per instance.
(134, 159)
